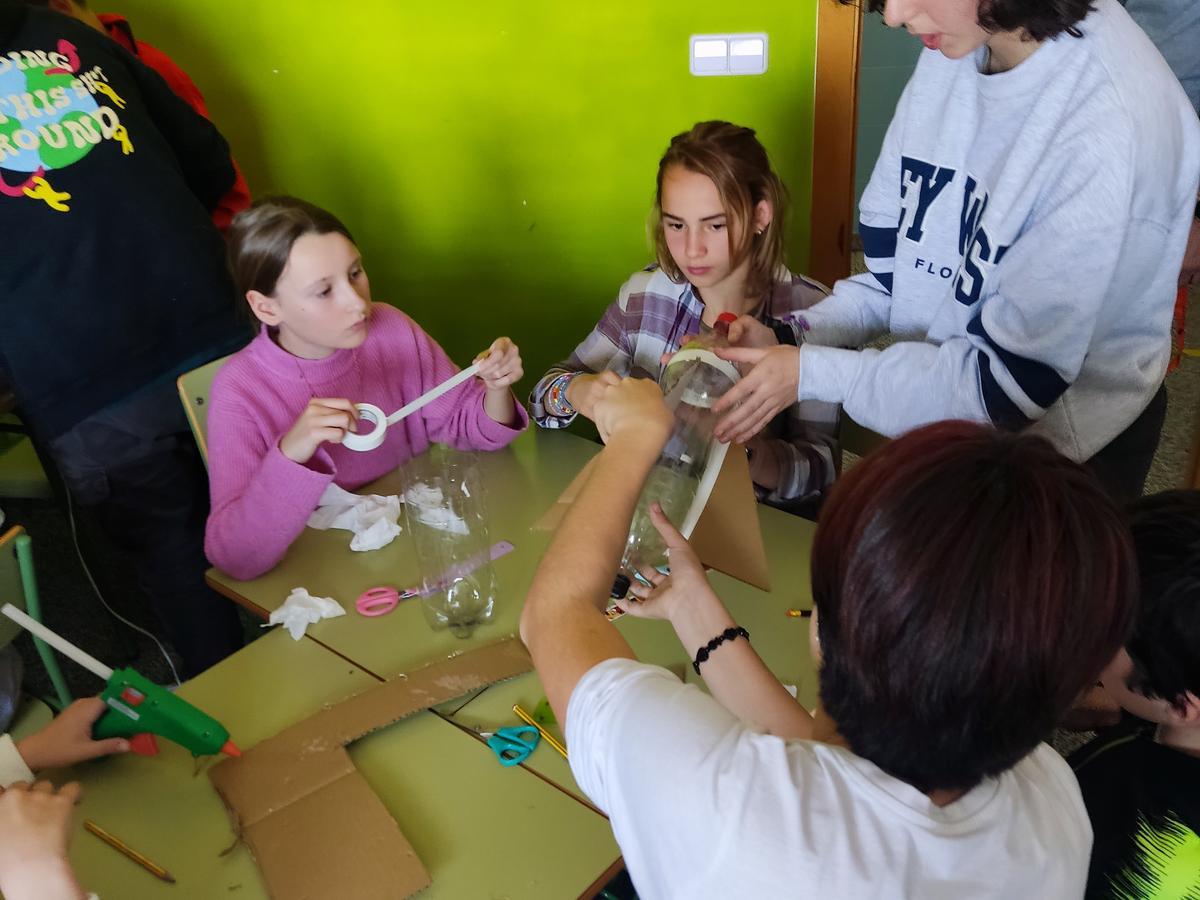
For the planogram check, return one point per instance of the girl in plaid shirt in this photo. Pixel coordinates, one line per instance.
(718, 236)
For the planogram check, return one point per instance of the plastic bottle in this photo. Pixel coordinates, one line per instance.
(693, 381)
(710, 338)
(446, 520)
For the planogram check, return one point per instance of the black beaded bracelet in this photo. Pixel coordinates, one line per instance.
(728, 634)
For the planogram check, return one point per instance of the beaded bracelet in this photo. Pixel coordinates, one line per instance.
(728, 634)
(556, 396)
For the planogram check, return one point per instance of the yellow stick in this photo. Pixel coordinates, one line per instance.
(529, 720)
(117, 844)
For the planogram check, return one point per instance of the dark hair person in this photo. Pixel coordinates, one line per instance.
(1141, 779)
(968, 584)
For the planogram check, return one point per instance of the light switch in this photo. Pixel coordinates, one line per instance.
(728, 54)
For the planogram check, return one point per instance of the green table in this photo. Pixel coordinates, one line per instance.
(525, 839)
(523, 482)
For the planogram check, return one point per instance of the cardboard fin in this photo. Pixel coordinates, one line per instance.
(310, 819)
(727, 536)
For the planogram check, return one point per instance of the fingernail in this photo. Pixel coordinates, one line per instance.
(123, 746)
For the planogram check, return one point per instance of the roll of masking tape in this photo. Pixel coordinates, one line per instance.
(359, 440)
(373, 413)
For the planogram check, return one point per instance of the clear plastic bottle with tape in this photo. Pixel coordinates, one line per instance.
(446, 519)
(693, 381)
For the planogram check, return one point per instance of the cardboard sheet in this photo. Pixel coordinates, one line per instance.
(313, 824)
(726, 538)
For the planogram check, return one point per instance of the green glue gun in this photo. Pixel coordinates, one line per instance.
(138, 709)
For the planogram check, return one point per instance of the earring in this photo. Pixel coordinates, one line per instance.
(759, 232)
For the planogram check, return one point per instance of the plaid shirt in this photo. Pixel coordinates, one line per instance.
(650, 317)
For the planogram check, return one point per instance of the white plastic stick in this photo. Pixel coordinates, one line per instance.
(62, 645)
(712, 471)
(433, 393)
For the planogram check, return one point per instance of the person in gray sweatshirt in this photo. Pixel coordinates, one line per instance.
(1023, 230)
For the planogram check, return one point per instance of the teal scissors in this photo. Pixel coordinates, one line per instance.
(512, 746)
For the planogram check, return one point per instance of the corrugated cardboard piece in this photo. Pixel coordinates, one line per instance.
(296, 795)
(726, 538)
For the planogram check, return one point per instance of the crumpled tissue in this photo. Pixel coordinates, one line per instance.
(302, 609)
(371, 517)
(431, 508)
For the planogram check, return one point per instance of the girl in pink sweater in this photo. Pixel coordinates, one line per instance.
(281, 406)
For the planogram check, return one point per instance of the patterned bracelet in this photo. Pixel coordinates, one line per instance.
(728, 634)
(556, 396)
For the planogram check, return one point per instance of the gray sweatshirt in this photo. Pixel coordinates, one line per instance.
(1023, 233)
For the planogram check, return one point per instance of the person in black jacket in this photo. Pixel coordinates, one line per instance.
(1141, 780)
(112, 283)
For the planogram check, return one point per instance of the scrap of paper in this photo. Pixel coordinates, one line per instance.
(302, 609)
(373, 519)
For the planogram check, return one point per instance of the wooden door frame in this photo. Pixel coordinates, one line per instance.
(835, 122)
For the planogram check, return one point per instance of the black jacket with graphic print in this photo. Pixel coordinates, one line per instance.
(1144, 803)
(112, 276)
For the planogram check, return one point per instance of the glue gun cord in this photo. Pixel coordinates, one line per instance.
(112, 612)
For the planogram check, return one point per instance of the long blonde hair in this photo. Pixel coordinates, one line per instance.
(741, 170)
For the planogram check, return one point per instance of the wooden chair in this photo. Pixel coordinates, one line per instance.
(18, 586)
(194, 388)
(22, 470)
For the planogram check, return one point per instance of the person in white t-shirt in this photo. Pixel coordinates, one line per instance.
(968, 584)
(1023, 230)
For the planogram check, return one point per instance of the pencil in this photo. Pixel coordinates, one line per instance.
(117, 844)
(529, 720)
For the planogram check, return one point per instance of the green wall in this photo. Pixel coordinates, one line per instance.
(495, 160)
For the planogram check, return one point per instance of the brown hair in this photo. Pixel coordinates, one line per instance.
(741, 170)
(261, 238)
(970, 583)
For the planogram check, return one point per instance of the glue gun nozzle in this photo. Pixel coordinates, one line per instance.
(231, 749)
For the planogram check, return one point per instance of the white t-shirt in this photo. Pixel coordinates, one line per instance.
(1023, 233)
(12, 764)
(702, 806)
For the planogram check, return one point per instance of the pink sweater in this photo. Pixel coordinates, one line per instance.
(260, 498)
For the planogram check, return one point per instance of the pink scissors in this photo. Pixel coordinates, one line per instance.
(379, 601)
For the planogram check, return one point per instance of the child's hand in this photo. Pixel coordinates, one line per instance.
(35, 832)
(68, 739)
(747, 331)
(500, 366)
(686, 586)
(767, 389)
(584, 390)
(325, 419)
(763, 463)
(633, 408)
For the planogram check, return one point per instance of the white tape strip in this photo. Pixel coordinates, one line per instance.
(372, 439)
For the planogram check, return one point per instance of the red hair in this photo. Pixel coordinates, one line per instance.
(970, 583)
